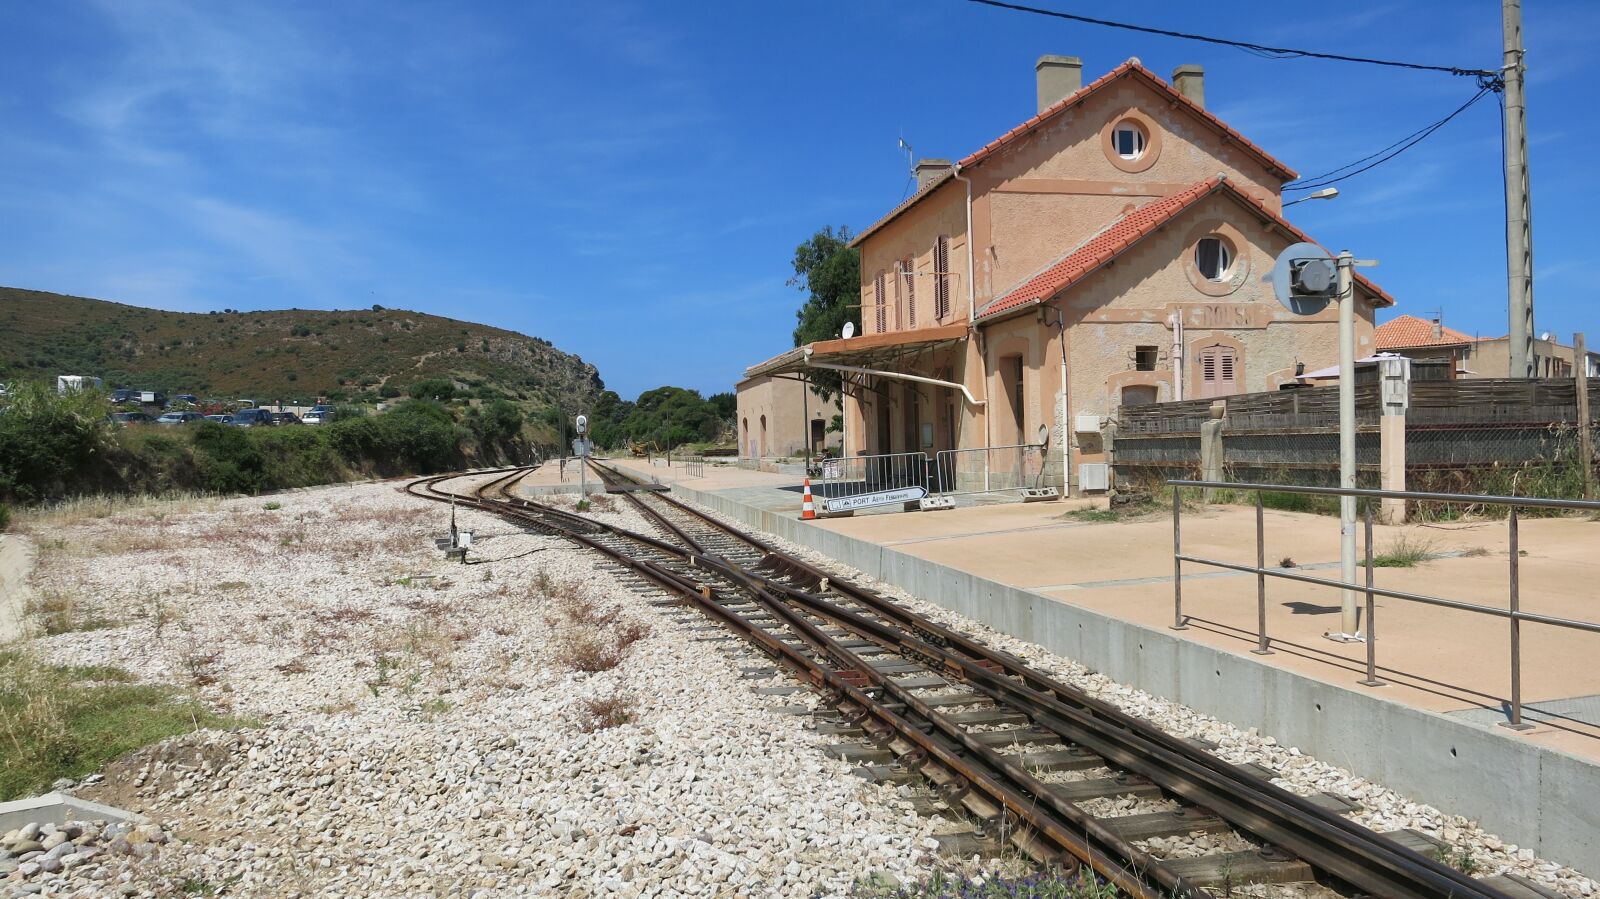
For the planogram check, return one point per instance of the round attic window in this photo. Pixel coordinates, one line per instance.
(1128, 140)
(1213, 256)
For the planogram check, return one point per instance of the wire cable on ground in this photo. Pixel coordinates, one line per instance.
(1258, 49)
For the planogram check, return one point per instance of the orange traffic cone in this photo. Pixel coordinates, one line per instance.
(808, 509)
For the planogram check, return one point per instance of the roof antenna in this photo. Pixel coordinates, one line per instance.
(910, 166)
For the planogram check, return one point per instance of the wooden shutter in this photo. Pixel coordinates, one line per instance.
(911, 292)
(899, 296)
(941, 277)
(1219, 371)
(878, 300)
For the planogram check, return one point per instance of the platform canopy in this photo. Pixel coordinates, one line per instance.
(868, 351)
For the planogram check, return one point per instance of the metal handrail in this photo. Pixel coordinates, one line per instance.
(1536, 502)
(1514, 614)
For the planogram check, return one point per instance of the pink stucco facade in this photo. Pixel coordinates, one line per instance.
(1143, 325)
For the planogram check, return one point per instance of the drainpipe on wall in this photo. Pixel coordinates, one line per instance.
(1176, 319)
(972, 317)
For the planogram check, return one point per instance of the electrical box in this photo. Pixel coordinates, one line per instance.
(1094, 476)
(1086, 424)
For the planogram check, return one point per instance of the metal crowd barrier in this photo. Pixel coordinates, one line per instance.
(749, 464)
(856, 475)
(1513, 613)
(994, 469)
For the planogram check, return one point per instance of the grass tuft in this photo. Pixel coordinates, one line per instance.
(1404, 552)
(606, 712)
(68, 721)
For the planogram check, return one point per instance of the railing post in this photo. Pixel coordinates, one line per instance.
(1516, 722)
(1371, 680)
(1177, 563)
(1261, 581)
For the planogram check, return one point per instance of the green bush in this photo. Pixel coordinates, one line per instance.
(5, 516)
(46, 440)
(229, 460)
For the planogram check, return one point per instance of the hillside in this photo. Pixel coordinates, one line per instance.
(289, 354)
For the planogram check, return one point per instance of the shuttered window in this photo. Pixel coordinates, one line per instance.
(1219, 371)
(941, 277)
(879, 301)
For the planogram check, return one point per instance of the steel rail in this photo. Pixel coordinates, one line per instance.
(1327, 841)
(1119, 863)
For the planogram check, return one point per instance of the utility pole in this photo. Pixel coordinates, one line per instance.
(1580, 360)
(1519, 212)
(1349, 628)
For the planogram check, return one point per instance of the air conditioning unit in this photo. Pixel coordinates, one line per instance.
(1086, 424)
(1094, 476)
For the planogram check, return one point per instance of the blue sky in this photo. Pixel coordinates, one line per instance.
(629, 180)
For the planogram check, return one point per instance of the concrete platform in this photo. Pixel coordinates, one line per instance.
(1102, 593)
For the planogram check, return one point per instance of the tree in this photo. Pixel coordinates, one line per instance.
(829, 271)
(439, 389)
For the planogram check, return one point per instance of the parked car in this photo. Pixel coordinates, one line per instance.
(285, 418)
(316, 418)
(178, 418)
(131, 418)
(187, 398)
(124, 394)
(220, 419)
(249, 418)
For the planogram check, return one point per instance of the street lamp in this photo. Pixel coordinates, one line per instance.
(1327, 193)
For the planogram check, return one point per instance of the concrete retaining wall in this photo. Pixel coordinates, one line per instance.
(1538, 798)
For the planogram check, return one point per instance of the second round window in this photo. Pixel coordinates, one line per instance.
(1213, 256)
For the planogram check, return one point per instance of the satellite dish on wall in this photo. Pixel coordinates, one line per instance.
(1305, 278)
(849, 330)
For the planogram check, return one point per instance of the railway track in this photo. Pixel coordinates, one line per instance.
(1029, 760)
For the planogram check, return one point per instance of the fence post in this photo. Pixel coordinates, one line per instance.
(1516, 722)
(1177, 563)
(1371, 680)
(1394, 399)
(1211, 453)
(1261, 581)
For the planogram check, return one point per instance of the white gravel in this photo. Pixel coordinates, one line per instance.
(1381, 808)
(422, 731)
(420, 734)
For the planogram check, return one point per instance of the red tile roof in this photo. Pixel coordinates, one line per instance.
(1129, 230)
(1407, 331)
(1131, 68)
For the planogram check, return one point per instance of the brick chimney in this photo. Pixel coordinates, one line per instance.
(929, 169)
(1438, 327)
(1190, 80)
(1057, 76)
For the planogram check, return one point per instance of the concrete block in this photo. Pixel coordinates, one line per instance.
(59, 808)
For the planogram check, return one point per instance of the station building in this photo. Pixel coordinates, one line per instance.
(1109, 250)
(775, 416)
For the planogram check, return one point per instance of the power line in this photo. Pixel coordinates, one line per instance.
(1258, 49)
(1374, 160)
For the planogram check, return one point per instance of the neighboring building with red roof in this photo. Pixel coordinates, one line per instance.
(1108, 250)
(1474, 357)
